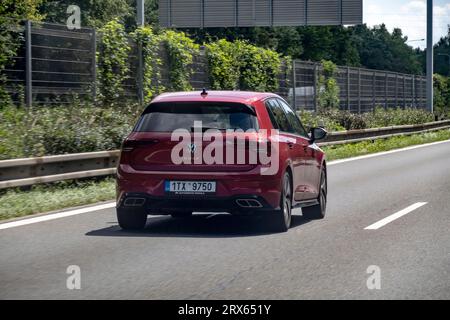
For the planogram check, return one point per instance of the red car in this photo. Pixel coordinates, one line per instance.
(220, 151)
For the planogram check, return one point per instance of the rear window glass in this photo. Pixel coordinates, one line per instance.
(167, 117)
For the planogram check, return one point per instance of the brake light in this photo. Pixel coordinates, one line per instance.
(130, 145)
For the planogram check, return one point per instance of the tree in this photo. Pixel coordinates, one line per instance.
(442, 55)
(375, 48)
(317, 43)
(380, 49)
(327, 87)
(20, 9)
(441, 95)
(11, 13)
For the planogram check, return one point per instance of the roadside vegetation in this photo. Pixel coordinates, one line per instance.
(338, 120)
(367, 147)
(58, 130)
(82, 128)
(43, 198)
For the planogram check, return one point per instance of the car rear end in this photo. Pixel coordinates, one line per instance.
(149, 179)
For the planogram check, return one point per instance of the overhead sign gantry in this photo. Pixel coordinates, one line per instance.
(252, 13)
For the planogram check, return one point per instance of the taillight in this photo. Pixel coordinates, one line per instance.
(127, 146)
(130, 145)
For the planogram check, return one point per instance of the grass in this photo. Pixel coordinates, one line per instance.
(366, 147)
(43, 198)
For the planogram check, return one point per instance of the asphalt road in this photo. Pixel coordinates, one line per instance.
(226, 257)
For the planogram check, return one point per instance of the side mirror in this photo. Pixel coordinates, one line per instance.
(317, 134)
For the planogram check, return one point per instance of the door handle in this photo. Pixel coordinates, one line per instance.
(290, 145)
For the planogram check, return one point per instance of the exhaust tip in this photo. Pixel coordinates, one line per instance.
(248, 203)
(134, 202)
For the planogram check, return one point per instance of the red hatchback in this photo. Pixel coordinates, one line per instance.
(220, 151)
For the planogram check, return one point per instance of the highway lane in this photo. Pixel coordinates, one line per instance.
(221, 256)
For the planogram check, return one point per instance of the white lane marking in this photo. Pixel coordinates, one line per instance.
(57, 215)
(392, 217)
(386, 152)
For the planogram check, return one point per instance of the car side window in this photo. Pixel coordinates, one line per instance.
(277, 116)
(293, 119)
(271, 116)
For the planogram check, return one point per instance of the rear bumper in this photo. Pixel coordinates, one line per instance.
(230, 187)
(243, 204)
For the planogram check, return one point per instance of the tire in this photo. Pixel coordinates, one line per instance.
(318, 211)
(282, 218)
(131, 219)
(181, 214)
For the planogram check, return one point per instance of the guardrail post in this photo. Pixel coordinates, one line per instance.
(28, 66)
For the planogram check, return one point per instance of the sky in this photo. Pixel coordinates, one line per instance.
(410, 16)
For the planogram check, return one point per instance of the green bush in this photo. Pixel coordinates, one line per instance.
(441, 96)
(223, 65)
(11, 13)
(149, 41)
(327, 87)
(8, 48)
(180, 50)
(12, 121)
(336, 120)
(259, 67)
(345, 119)
(113, 62)
(311, 119)
(58, 130)
(381, 117)
(240, 65)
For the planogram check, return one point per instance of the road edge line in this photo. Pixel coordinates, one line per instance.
(56, 215)
(383, 153)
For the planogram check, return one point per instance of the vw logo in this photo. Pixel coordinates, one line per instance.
(191, 147)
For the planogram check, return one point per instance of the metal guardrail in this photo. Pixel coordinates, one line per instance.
(342, 137)
(30, 171)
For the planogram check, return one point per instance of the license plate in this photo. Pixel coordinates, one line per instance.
(190, 187)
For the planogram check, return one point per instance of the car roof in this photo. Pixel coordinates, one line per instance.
(246, 97)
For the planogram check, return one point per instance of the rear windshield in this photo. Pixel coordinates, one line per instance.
(167, 117)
